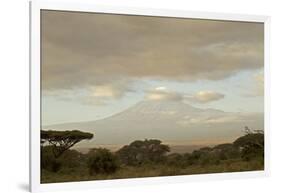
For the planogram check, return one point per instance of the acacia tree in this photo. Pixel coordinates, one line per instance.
(251, 144)
(63, 140)
(140, 152)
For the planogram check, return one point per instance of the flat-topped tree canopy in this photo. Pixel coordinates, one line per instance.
(251, 137)
(62, 135)
(63, 140)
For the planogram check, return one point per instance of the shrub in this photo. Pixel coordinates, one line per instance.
(175, 159)
(227, 151)
(252, 145)
(186, 159)
(102, 161)
(70, 159)
(48, 160)
(204, 156)
(143, 152)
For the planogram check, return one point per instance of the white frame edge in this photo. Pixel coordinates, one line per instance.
(35, 94)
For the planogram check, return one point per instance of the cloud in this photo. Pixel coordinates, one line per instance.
(259, 79)
(84, 50)
(257, 86)
(205, 97)
(104, 93)
(221, 118)
(161, 88)
(113, 90)
(227, 119)
(163, 95)
(94, 95)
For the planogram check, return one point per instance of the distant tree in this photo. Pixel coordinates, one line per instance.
(205, 149)
(140, 152)
(201, 156)
(63, 140)
(222, 146)
(102, 161)
(175, 159)
(251, 144)
(204, 156)
(256, 139)
(69, 159)
(247, 130)
(226, 151)
(48, 161)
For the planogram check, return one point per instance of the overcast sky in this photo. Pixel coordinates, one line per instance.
(95, 65)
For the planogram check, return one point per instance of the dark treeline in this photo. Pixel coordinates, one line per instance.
(57, 157)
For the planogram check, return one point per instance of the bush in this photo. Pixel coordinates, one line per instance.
(69, 159)
(227, 151)
(48, 160)
(252, 145)
(252, 151)
(204, 156)
(175, 159)
(102, 161)
(143, 152)
(186, 159)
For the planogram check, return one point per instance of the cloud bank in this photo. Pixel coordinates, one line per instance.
(207, 96)
(163, 94)
(106, 51)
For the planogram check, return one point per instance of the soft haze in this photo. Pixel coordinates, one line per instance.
(96, 66)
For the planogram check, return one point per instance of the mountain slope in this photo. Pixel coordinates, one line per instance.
(172, 122)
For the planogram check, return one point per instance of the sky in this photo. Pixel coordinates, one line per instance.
(96, 65)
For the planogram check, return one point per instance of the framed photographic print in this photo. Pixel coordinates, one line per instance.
(125, 96)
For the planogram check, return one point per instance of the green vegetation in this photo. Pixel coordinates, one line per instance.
(102, 161)
(54, 144)
(146, 158)
(143, 152)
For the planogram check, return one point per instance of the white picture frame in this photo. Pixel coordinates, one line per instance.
(35, 93)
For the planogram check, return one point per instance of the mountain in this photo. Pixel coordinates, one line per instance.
(172, 122)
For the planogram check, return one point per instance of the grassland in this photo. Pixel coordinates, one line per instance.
(148, 158)
(82, 174)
